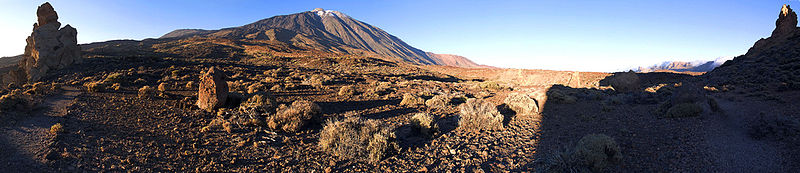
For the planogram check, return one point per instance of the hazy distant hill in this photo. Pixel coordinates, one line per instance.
(681, 66)
(331, 31)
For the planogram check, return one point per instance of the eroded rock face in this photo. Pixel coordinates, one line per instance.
(48, 48)
(213, 90)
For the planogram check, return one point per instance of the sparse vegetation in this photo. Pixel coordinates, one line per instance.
(163, 87)
(480, 115)
(684, 110)
(425, 124)
(93, 87)
(294, 117)
(114, 78)
(357, 139)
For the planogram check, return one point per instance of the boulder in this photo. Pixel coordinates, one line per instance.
(522, 104)
(625, 82)
(213, 90)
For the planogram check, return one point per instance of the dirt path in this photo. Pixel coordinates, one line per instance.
(25, 142)
(735, 149)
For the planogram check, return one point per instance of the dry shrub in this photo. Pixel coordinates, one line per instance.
(163, 87)
(380, 88)
(15, 100)
(425, 124)
(254, 88)
(593, 153)
(411, 100)
(439, 101)
(684, 110)
(56, 128)
(317, 80)
(114, 78)
(490, 85)
(190, 85)
(116, 86)
(597, 151)
(259, 102)
(347, 91)
(93, 86)
(146, 92)
(522, 104)
(478, 114)
(357, 139)
(294, 117)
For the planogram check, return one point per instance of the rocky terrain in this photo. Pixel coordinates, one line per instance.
(291, 94)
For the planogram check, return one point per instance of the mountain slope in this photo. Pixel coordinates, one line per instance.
(329, 31)
(454, 60)
(773, 61)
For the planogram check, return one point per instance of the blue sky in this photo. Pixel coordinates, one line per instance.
(584, 35)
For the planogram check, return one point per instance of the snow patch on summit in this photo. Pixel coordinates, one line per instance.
(322, 12)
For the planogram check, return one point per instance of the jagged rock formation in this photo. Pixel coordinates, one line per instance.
(48, 48)
(329, 31)
(774, 61)
(213, 90)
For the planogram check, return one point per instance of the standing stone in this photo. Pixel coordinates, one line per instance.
(48, 48)
(213, 90)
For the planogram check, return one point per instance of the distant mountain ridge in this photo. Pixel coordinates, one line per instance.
(683, 66)
(331, 31)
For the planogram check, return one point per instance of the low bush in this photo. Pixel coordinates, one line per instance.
(425, 124)
(480, 115)
(294, 117)
(347, 91)
(163, 87)
(358, 139)
(146, 92)
(259, 102)
(114, 78)
(56, 128)
(411, 100)
(93, 86)
(684, 110)
(593, 153)
(440, 101)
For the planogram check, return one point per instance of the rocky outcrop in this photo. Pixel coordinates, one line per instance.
(48, 48)
(213, 90)
(786, 23)
(771, 62)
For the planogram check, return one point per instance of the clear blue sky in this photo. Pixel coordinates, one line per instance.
(585, 35)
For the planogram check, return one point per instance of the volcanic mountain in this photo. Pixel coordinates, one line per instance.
(329, 31)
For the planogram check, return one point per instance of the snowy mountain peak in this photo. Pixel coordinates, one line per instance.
(322, 12)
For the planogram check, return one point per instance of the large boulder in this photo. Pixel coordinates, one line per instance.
(48, 48)
(213, 92)
(522, 103)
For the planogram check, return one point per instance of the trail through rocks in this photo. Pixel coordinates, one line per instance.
(735, 150)
(24, 143)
